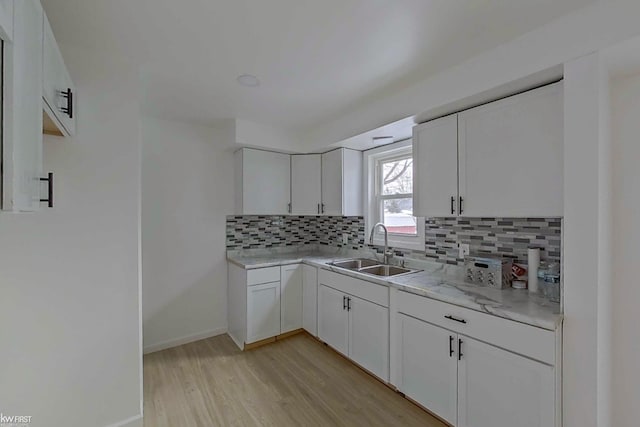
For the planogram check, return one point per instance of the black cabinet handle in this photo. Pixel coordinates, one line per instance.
(318, 207)
(453, 200)
(49, 199)
(68, 110)
(344, 302)
(459, 349)
(460, 207)
(348, 304)
(322, 207)
(455, 319)
(451, 345)
(289, 207)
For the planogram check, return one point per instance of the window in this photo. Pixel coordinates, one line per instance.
(389, 196)
(395, 194)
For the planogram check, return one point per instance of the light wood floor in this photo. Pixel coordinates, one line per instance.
(294, 382)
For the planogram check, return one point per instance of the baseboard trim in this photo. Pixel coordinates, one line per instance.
(183, 340)
(135, 421)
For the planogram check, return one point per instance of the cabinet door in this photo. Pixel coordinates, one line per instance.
(435, 167)
(56, 82)
(498, 388)
(310, 299)
(306, 184)
(511, 155)
(369, 336)
(428, 366)
(266, 184)
(333, 319)
(290, 298)
(22, 131)
(263, 311)
(351, 183)
(332, 182)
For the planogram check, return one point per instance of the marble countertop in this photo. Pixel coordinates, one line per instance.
(514, 304)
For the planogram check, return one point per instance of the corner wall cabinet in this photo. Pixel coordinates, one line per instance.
(504, 158)
(270, 183)
(306, 184)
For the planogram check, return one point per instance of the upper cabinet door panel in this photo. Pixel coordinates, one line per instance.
(332, 178)
(22, 134)
(306, 185)
(58, 90)
(511, 155)
(266, 182)
(435, 174)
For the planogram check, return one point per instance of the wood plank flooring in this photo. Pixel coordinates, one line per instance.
(294, 382)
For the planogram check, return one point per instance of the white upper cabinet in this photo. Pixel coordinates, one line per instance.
(263, 182)
(22, 133)
(342, 182)
(58, 90)
(306, 184)
(501, 159)
(435, 174)
(511, 155)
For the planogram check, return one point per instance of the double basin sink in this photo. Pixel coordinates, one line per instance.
(371, 267)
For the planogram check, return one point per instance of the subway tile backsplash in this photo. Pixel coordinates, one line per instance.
(507, 237)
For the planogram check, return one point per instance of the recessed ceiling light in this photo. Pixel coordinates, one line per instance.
(248, 80)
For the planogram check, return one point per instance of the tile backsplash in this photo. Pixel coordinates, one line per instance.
(507, 237)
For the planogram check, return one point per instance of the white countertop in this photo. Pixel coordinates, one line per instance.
(514, 304)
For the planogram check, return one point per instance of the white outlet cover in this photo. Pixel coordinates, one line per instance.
(345, 238)
(463, 250)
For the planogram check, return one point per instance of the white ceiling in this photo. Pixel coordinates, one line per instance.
(316, 59)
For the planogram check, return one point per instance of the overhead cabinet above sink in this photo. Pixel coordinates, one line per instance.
(504, 158)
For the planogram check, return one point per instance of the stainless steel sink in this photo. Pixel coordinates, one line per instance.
(355, 264)
(385, 270)
(371, 267)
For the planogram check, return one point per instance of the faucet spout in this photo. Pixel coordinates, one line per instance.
(387, 253)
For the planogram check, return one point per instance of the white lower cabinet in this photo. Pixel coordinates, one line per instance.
(333, 319)
(497, 388)
(355, 327)
(369, 335)
(290, 298)
(310, 299)
(263, 311)
(468, 382)
(428, 366)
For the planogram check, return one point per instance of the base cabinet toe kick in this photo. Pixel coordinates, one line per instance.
(469, 368)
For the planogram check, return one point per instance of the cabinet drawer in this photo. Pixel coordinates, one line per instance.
(526, 340)
(263, 275)
(369, 291)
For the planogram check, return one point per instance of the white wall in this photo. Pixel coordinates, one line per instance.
(626, 249)
(187, 191)
(69, 282)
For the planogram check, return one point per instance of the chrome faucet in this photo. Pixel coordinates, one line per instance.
(387, 253)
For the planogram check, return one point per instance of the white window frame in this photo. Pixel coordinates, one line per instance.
(371, 198)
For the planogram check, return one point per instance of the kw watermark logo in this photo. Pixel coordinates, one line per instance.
(14, 420)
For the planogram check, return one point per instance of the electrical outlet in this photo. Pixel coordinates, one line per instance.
(463, 250)
(345, 238)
